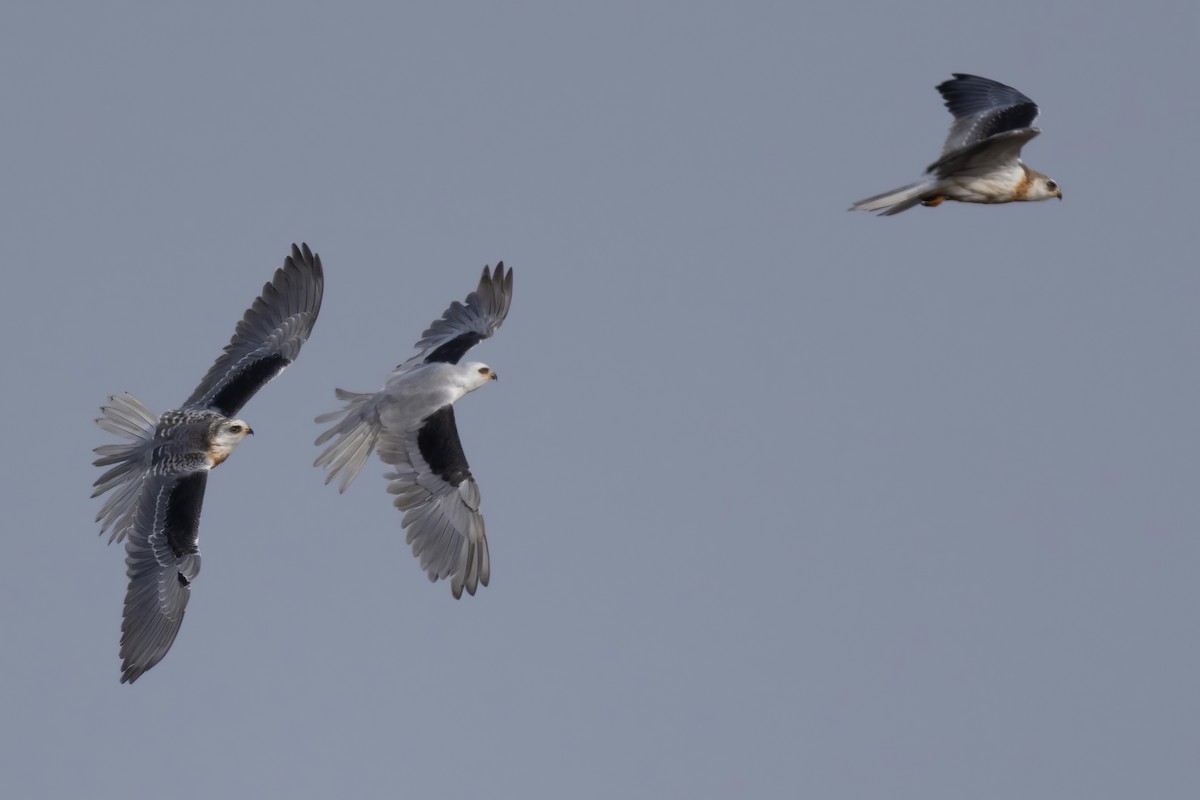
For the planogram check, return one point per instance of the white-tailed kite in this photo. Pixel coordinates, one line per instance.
(981, 160)
(158, 478)
(411, 423)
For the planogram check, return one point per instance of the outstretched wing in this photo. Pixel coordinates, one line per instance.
(983, 108)
(1001, 150)
(161, 560)
(438, 495)
(464, 326)
(269, 336)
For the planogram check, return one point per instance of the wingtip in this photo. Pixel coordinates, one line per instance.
(497, 274)
(304, 255)
(496, 277)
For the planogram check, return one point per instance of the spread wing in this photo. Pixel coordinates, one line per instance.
(161, 560)
(269, 336)
(438, 495)
(1001, 150)
(464, 326)
(983, 108)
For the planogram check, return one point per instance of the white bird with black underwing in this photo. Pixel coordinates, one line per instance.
(410, 421)
(157, 479)
(981, 160)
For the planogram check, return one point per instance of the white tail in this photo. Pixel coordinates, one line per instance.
(896, 200)
(356, 432)
(124, 416)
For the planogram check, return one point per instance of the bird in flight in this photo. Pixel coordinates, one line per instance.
(410, 421)
(157, 478)
(981, 160)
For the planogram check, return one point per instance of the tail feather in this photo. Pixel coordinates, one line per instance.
(896, 200)
(357, 430)
(124, 416)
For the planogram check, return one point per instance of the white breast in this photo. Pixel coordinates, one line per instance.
(992, 186)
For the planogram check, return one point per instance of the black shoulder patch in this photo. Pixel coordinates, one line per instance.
(182, 524)
(455, 349)
(249, 379)
(441, 448)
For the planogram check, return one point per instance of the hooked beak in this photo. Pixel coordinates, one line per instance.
(1059, 194)
(249, 431)
(495, 377)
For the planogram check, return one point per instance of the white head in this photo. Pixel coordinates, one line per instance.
(475, 375)
(1042, 187)
(225, 435)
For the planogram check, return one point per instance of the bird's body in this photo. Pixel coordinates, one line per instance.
(1006, 184)
(981, 159)
(197, 438)
(158, 477)
(425, 388)
(410, 423)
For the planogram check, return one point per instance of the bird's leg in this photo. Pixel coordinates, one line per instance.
(936, 200)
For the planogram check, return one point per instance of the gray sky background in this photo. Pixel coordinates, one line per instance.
(783, 501)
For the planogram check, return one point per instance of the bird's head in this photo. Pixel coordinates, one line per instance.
(1044, 187)
(226, 435)
(476, 375)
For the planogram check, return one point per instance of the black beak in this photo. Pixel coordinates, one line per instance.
(249, 430)
(495, 377)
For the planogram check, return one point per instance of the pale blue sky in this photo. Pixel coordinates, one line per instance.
(782, 501)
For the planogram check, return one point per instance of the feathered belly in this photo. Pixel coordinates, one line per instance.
(408, 404)
(999, 186)
(980, 190)
(415, 395)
